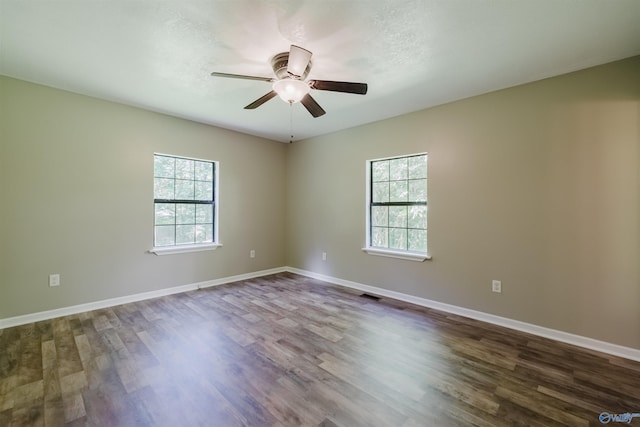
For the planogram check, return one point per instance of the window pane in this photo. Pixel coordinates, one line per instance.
(185, 234)
(163, 167)
(163, 188)
(381, 192)
(398, 216)
(380, 216)
(184, 190)
(398, 169)
(418, 190)
(380, 171)
(418, 240)
(380, 237)
(204, 190)
(164, 235)
(204, 214)
(417, 217)
(398, 238)
(204, 233)
(185, 214)
(165, 213)
(417, 167)
(185, 169)
(204, 171)
(398, 191)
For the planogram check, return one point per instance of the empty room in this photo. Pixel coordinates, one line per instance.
(320, 213)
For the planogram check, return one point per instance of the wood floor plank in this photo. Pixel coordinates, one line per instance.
(526, 400)
(286, 350)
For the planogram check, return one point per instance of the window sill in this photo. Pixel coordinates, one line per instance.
(182, 249)
(410, 256)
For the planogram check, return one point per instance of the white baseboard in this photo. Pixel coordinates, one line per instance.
(111, 302)
(565, 337)
(578, 340)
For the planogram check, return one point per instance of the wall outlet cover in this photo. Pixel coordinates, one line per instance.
(54, 280)
(496, 286)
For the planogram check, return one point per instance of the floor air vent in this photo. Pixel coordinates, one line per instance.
(368, 296)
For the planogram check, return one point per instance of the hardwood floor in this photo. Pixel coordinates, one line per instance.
(285, 350)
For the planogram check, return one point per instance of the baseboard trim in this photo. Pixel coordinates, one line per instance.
(565, 337)
(111, 302)
(577, 340)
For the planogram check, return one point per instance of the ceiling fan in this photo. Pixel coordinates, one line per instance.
(291, 69)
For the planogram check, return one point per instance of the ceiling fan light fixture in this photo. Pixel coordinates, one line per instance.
(291, 90)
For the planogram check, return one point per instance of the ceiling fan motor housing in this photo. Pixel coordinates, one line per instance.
(279, 64)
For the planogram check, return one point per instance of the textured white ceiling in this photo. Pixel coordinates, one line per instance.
(413, 53)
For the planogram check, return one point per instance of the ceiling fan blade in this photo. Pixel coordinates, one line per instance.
(347, 87)
(258, 102)
(298, 60)
(312, 106)
(240, 76)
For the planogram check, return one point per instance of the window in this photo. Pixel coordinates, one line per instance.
(397, 207)
(184, 192)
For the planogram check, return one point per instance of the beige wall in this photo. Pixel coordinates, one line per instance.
(76, 195)
(537, 186)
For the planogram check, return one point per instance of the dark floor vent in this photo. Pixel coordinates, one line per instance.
(368, 296)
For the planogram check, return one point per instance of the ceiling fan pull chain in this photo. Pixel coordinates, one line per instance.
(291, 122)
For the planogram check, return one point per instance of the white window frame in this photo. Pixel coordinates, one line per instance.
(197, 247)
(392, 253)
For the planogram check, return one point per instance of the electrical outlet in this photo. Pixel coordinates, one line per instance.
(252, 253)
(324, 256)
(496, 286)
(54, 280)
